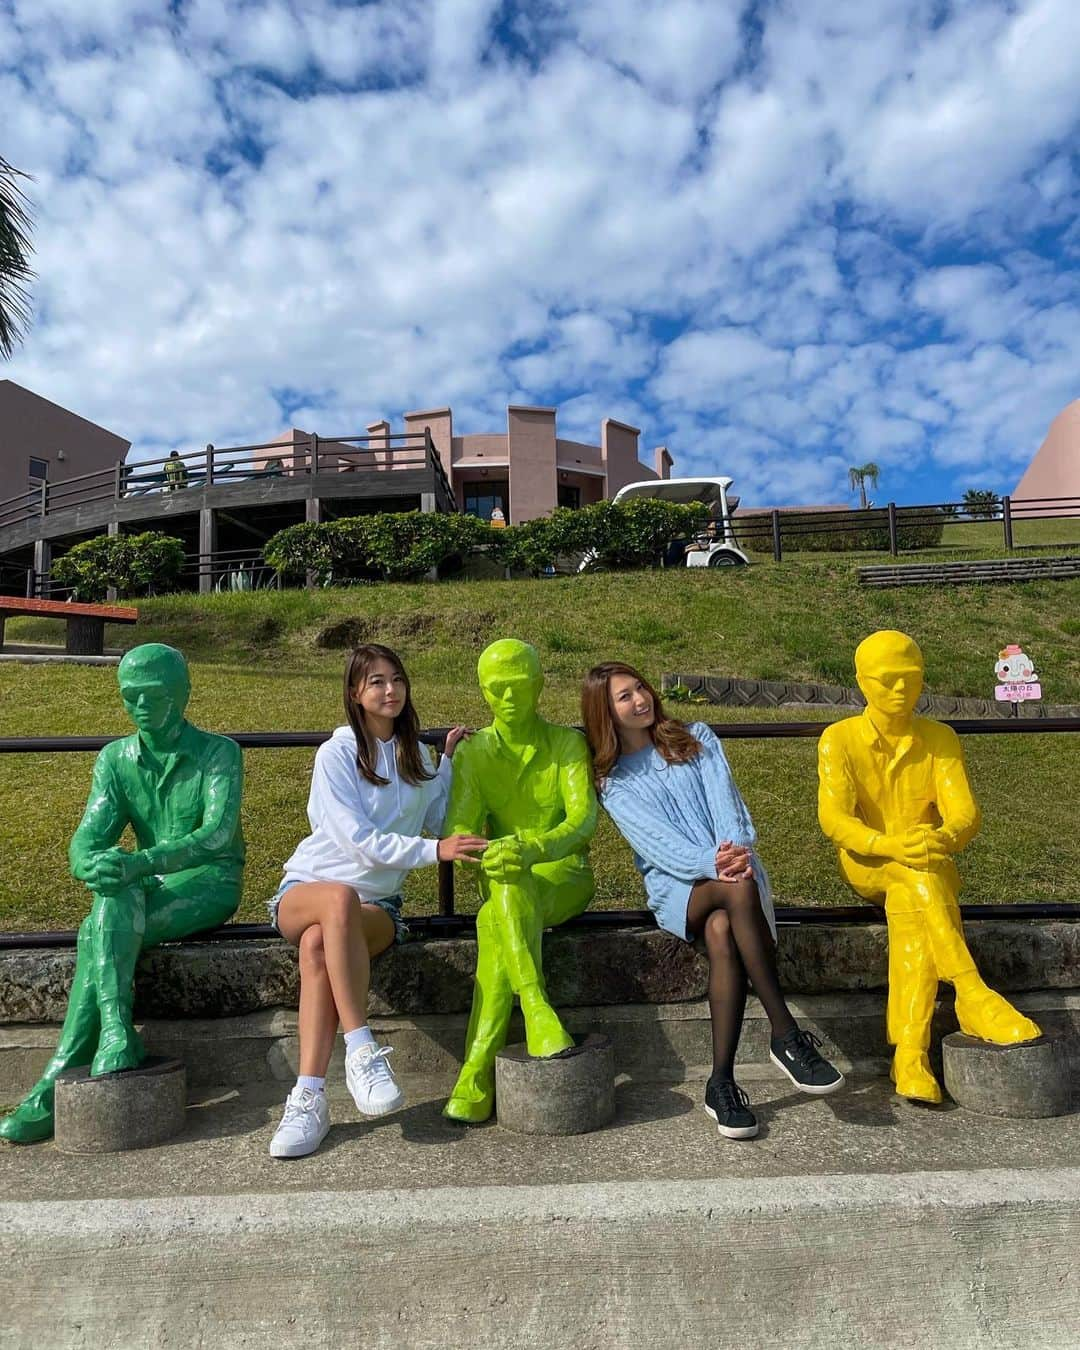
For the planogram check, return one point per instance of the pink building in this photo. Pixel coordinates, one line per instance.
(1055, 470)
(529, 469)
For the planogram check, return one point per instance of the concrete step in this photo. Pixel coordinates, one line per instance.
(852, 1220)
(657, 1041)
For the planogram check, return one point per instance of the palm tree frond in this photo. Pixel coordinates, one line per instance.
(15, 250)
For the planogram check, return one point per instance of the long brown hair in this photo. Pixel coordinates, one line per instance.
(671, 737)
(411, 761)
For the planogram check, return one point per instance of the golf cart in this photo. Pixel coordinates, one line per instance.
(715, 546)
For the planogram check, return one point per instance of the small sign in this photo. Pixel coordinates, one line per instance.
(1016, 674)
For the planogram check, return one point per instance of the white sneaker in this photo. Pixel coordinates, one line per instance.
(371, 1081)
(303, 1126)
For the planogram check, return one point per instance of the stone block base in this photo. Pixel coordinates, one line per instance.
(120, 1111)
(571, 1093)
(1025, 1081)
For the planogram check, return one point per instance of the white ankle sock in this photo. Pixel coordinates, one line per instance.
(361, 1036)
(307, 1080)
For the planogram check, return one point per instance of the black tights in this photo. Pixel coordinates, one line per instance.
(728, 916)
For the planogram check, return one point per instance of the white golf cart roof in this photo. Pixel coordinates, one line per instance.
(683, 490)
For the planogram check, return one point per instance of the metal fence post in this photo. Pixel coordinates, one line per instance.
(1006, 520)
(777, 547)
(446, 889)
(118, 479)
(894, 548)
(44, 496)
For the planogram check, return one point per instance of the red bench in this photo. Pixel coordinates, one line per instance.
(85, 623)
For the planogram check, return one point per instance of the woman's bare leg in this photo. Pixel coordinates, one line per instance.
(351, 934)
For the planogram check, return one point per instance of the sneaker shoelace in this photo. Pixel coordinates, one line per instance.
(732, 1096)
(295, 1107)
(375, 1068)
(804, 1045)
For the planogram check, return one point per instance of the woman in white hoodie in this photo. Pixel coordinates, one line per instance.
(375, 789)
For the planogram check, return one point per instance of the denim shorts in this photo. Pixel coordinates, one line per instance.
(391, 903)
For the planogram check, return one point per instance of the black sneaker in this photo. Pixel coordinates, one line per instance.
(729, 1106)
(796, 1053)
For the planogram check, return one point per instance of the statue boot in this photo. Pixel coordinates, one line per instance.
(980, 1011)
(521, 935)
(913, 982)
(116, 950)
(32, 1120)
(988, 1017)
(473, 1097)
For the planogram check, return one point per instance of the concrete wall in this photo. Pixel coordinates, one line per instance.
(530, 434)
(619, 450)
(440, 421)
(31, 425)
(1055, 470)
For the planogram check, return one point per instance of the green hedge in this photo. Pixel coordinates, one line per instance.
(402, 547)
(847, 532)
(132, 564)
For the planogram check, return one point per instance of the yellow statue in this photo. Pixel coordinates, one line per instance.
(894, 797)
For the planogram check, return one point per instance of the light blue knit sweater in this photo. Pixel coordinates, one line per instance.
(674, 817)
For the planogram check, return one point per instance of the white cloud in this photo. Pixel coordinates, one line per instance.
(743, 248)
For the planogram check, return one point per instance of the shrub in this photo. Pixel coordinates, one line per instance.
(403, 546)
(917, 527)
(132, 564)
(394, 546)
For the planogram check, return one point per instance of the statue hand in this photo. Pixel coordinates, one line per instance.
(114, 867)
(920, 847)
(504, 859)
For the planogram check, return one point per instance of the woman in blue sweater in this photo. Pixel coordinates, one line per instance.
(669, 790)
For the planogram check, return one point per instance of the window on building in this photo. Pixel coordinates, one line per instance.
(39, 470)
(569, 495)
(480, 499)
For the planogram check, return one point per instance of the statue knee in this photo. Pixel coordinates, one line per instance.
(312, 952)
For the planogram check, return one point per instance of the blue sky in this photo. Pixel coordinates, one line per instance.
(781, 238)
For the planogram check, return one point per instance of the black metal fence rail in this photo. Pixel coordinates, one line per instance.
(449, 923)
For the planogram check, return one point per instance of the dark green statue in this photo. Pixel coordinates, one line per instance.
(527, 785)
(178, 788)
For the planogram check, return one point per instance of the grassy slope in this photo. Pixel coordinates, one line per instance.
(258, 664)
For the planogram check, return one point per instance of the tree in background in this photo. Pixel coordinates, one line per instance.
(15, 250)
(860, 476)
(982, 504)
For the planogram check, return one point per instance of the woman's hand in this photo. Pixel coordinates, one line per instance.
(461, 848)
(453, 736)
(733, 862)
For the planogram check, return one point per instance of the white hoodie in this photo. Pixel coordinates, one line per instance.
(364, 835)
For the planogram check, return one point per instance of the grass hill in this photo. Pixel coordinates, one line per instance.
(273, 661)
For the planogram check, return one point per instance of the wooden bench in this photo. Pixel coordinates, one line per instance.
(85, 623)
(954, 573)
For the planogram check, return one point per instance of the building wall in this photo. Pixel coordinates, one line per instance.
(1055, 470)
(618, 449)
(31, 425)
(530, 437)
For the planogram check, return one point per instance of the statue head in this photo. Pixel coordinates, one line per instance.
(889, 670)
(511, 681)
(155, 686)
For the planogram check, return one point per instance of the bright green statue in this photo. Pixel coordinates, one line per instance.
(178, 788)
(525, 784)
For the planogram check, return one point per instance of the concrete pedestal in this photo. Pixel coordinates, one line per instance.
(570, 1094)
(135, 1109)
(1025, 1081)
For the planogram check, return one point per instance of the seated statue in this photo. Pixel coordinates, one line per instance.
(525, 784)
(179, 790)
(894, 797)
